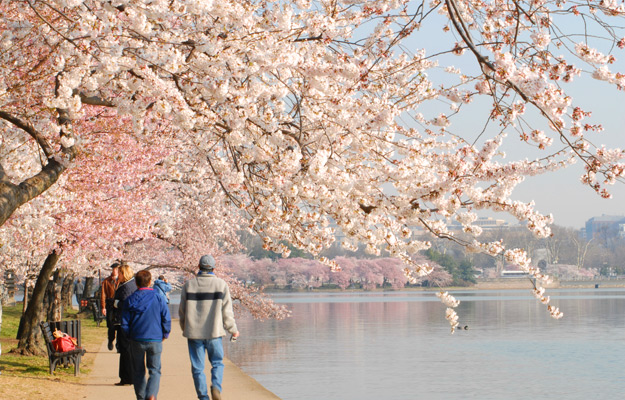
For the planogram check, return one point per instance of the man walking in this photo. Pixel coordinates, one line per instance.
(79, 288)
(205, 316)
(146, 322)
(107, 297)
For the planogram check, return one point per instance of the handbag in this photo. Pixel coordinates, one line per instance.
(63, 342)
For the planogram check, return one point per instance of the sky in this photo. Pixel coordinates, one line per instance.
(561, 193)
(558, 193)
(570, 202)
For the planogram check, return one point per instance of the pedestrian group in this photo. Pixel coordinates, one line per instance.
(138, 320)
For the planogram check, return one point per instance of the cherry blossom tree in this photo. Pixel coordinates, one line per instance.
(343, 275)
(195, 220)
(309, 114)
(299, 273)
(392, 272)
(84, 219)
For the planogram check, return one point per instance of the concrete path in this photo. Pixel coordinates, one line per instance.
(176, 380)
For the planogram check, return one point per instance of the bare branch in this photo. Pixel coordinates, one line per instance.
(94, 100)
(30, 129)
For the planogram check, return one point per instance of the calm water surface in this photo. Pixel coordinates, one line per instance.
(397, 346)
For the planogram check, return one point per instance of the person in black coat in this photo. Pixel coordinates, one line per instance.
(126, 287)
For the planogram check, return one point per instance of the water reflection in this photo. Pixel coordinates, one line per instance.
(397, 346)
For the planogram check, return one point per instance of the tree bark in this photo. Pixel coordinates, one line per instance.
(29, 330)
(88, 287)
(53, 304)
(12, 195)
(68, 289)
(26, 294)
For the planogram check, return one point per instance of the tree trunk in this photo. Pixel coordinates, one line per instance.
(29, 331)
(68, 289)
(26, 294)
(53, 303)
(88, 287)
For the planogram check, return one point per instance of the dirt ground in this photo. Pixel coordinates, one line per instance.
(17, 388)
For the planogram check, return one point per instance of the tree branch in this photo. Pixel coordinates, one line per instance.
(12, 196)
(28, 128)
(94, 100)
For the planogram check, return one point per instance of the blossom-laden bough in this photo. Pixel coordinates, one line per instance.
(318, 118)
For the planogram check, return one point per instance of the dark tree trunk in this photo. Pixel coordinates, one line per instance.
(47, 296)
(29, 331)
(52, 303)
(68, 289)
(88, 287)
(26, 294)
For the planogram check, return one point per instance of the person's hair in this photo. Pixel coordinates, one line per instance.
(115, 265)
(125, 272)
(161, 277)
(143, 278)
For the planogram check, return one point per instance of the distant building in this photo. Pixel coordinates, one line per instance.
(486, 223)
(513, 274)
(607, 225)
(621, 230)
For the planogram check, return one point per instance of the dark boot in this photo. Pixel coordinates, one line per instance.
(215, 394)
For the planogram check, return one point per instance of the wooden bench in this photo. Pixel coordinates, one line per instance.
(72, 328)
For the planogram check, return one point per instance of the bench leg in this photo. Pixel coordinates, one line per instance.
(53, 365)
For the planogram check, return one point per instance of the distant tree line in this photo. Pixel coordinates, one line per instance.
(306, 274)
(566, 253)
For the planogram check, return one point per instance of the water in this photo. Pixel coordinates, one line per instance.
(397, 346)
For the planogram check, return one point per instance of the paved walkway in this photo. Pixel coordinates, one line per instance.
(176, 380)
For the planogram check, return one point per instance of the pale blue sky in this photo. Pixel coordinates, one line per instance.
(559, 193)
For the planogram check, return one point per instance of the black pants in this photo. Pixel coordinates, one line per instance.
(110, 325)
(125, 358)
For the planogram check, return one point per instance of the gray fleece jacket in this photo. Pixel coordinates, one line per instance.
(206, 308)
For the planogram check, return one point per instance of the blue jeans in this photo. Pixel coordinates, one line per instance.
(146, 353)
(215, 350)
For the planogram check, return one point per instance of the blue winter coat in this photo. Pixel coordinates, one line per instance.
(145, 316)
(162, 287)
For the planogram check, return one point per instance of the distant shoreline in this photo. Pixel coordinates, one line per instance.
(514, 283)
(491, 284)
